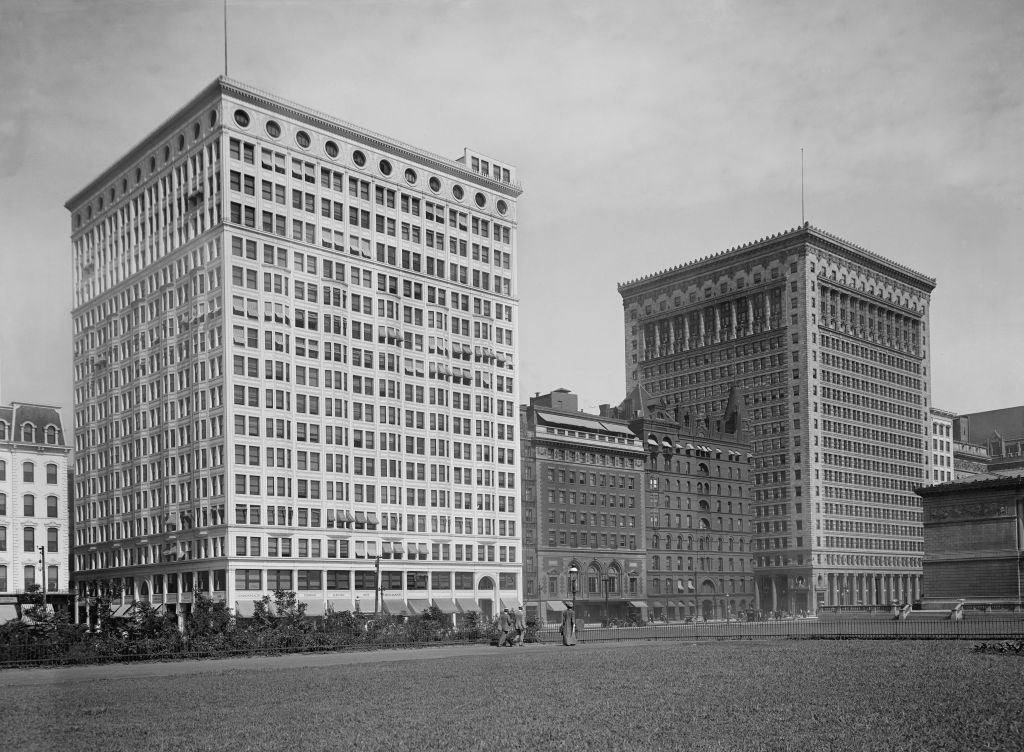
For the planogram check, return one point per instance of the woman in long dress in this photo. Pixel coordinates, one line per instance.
(568, 628)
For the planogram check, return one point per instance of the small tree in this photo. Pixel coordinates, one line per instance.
(208, 618)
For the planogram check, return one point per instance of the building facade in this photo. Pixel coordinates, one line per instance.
(699, 515)
(295, 360)
(1000, 433)
(829, 344)
(942, 467)
(583, 511)
(974, 540)
(34, 523)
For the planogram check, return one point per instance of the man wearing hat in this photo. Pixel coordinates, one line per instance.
(506, 622)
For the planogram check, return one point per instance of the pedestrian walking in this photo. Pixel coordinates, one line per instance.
(520, 626)
(568, 628)
(506, 622)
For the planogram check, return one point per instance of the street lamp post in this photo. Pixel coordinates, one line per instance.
(573, 571)
(378, 590)
(42, 554)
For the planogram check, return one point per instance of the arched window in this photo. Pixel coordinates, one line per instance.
(28, 432)
(29, 537)
(51, 540)
(51, 506)
(656, 562)
(3, 430)
(29, 505)
(51, 474)
(28, 472)
(3, 578)
(593, 579)
(3, 470)
(30, 576)
(51, 435)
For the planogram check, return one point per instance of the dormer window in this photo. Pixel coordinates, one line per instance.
(27, 432)
(3, 431)
(51, 435)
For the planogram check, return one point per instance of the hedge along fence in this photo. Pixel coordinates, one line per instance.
(277, 626)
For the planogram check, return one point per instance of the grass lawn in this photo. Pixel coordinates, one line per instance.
(780, 695)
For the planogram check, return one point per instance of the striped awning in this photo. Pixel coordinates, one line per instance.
(556, 605)
(396, 607)
(446, 604)
(468, 604)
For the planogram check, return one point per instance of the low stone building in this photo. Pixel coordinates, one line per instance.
(974, 540)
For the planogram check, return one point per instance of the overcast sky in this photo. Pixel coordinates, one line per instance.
(646, 134)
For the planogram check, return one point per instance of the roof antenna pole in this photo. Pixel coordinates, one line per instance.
(802, 219)
(225, 38)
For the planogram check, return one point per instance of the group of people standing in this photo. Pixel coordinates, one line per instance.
(513, 627)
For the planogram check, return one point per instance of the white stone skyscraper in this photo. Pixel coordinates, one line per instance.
(295, 352)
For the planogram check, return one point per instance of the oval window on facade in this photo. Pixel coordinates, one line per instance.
(481, 200)
(242, 118)
(359, 158)
(273, 129)
(458, 192)
(384, 166)
(302, 139)
(435, 184)
(502, 207)
(410, 176)
(332, 149)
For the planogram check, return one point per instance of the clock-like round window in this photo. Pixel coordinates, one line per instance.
(242, 118)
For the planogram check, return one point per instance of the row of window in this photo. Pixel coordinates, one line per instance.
(29, 505)
(52, 578)
(28, 432)
(28, 472)
(28, 537)
(368, 579)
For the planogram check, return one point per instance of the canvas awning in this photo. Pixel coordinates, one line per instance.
(245, 609)
(424, 549)
(361, 517)
(638, 604)
(446, 604)
(340, 605)
(468, 604)
(371, 549)
(512, 603)
(396, 607)
(418, 605)
(385, 547)
(397, 547)
(556, 605)
(314, 606)
(120, 611)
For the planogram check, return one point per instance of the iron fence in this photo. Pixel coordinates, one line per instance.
(868, 627)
